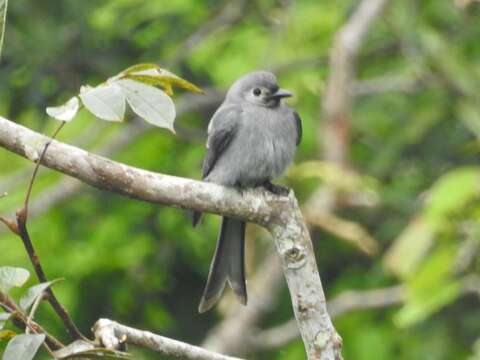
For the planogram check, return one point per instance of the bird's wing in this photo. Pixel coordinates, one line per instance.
(221, 130)
(298, 125)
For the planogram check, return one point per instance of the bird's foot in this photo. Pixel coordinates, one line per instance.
(276, 189)
(239, 189)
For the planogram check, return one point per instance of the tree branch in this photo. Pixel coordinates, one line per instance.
(140, 184)
(111, 335)
(280, 215)
(347, 230)
(335, 134)
(348, 41)
(384, 84)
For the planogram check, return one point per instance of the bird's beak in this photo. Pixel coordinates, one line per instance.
(282, 93)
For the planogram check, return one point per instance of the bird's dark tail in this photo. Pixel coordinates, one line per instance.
(227, 265)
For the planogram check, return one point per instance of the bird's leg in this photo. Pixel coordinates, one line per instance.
(276, 189)
(239, 188)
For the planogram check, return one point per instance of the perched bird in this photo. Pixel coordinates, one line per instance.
(252, 139)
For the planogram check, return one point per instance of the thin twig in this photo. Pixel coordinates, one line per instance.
(37, 166)
(72, 329)
(19, 319)
(11, 224)
(3, 20)
(21, 230)
(112, 334)
(347, 230)
(84, 139)
(34, 308)
(384, 84)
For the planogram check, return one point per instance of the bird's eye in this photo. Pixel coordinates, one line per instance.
(257, 91)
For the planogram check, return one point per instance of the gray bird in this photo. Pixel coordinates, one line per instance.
(251, 140)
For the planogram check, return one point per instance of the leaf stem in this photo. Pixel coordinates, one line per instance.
(35, 305)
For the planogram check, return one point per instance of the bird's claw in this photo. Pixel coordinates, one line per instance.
(240, 190)
(277, 189)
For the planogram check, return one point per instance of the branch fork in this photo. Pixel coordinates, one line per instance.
(281, 215)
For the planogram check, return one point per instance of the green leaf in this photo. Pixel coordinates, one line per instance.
(100, 353)
(152, 81)
(154, 75)
(75, 347)
(149, 103)
(431, 287)
(3, 319)
(416, 311)
(409, 249)
(177, 81)
(139, 86)
(449, 195)
(140, 67)
(12, 277)
(65, 112)
(3, 21)
(452, 192)
(450, 62)
(84, 349)
(7, 334)
(469, 112)
(33, 293)
(106, 102)
(23, 347)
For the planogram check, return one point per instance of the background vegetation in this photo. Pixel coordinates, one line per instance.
(410, 193)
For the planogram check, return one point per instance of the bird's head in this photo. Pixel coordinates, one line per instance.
(258, 88)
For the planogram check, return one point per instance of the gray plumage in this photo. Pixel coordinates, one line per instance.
(251, 140)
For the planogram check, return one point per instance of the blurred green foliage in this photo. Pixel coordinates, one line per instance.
(144, 265)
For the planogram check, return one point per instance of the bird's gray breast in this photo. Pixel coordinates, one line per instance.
(264, 145)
